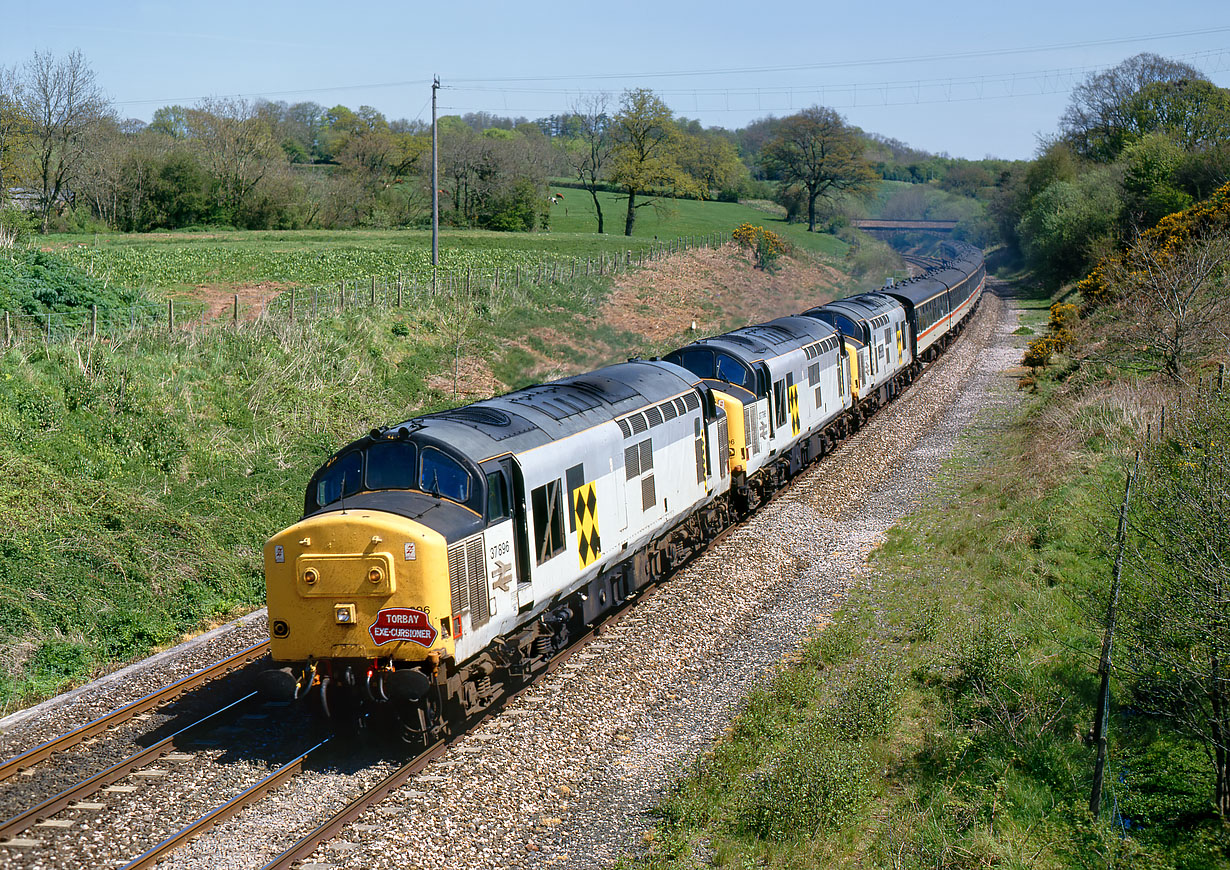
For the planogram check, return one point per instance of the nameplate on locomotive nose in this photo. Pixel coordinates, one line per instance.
(402, 623)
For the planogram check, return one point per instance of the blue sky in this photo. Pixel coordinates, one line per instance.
(957, 78)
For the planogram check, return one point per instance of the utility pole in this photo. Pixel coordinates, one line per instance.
(435, 187)
(1101, 724)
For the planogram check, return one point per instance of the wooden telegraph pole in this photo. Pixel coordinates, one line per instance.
(1101, 724)
(435, 187)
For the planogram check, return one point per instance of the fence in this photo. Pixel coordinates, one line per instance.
(499, 285)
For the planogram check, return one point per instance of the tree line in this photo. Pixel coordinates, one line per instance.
(68, 158)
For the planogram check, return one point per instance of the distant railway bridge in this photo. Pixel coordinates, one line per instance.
(879, 226)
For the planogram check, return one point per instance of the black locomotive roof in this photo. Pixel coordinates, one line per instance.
(537, 415)
(449, 519)
(763, 341)
(918, 290)
(864, 307)
(808, 329)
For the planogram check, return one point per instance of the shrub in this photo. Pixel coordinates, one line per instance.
(766, 246)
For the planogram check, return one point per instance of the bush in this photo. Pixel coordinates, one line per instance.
(766, 246)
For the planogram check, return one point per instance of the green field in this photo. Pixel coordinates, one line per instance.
(673, 218)
(176, 262)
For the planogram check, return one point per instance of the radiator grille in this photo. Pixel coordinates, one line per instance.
(649, 496)
(646, 455)
(723, 447)
(632, 461)
(480, 599)
(457, 579)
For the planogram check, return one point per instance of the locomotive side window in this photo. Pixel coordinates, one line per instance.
(779, 401)
(547, 502)
(347, 472)
(497, 497)
(391, 465)
(443, 476)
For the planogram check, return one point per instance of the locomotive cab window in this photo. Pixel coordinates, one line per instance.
(698, 362)
(391, 465)
(443, 476)
(732, 371)
(345, 477)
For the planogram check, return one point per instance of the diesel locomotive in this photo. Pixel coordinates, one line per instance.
(446, 559)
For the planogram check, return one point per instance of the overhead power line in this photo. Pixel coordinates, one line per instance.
(870, 62)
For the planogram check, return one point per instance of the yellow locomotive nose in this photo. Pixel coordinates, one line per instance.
(357, 584)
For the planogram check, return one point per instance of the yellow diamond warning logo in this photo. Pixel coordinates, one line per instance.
(792, 399)
(585, 510)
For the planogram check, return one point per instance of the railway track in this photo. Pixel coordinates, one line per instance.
(153, 700)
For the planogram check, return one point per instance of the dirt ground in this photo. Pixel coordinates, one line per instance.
(220, 300)
(709, 290)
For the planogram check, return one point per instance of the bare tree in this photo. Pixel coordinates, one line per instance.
(1175, 605)
(589, 153)
(64, 104)
(1173, 298)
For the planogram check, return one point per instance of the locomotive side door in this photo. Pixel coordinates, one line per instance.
(521, 538)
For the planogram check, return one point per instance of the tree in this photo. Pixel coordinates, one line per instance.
(14, 129)
(1171, 296)
(64, 104)
(816, 151)
(589, 151)
(1149, 188)
(1193, 113)
(236, 146)
(1069, 223)
(1098, 121)
(712, 160)
(1175, 600)
(645, 155)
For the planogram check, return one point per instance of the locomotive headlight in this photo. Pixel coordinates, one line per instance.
(375, 575)
(310, 576)
(343, 614)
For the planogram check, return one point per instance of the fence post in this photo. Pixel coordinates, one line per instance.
(49, 326)
(170, 315)
(235, 310)
(373, 291)
(292, 304)
(399, 285)
(93, 322)
(1221, 376)
(8, 330)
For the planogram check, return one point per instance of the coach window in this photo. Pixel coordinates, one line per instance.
(345, 477)
(443, 476)
(391, 465)
(547, 503)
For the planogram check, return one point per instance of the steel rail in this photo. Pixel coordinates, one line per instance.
(104, 778)
(231, 808)
(332, 826)
(122, 714)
